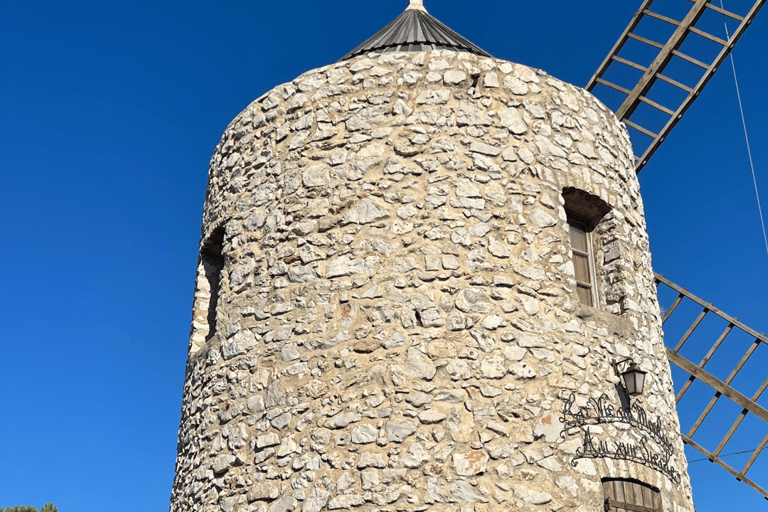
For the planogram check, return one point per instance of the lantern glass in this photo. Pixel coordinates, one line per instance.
(634, 380)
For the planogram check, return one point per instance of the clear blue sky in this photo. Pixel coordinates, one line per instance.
(109, 114)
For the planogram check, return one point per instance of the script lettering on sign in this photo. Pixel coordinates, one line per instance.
(653, 449)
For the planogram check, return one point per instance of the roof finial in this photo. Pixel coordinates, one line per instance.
(416, 4)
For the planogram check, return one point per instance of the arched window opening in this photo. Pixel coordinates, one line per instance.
(624, 494)
(584, 212)
(213, 264)
(207, 290)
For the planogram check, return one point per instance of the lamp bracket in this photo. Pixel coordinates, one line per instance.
(621, 366)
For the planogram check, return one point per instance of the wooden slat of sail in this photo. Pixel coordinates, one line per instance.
(721, 388)
(645, 85)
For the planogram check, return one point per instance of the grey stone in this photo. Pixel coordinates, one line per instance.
(281, 421)
(342, 420)
(256, 403)
(276, 395)
(267, 490)
(223, 462)
(238, 344)
(509, 155)
(431, 416)
(398, 430)
(485, 342)
(470, 300)
(418, 399)
(344, 482)
(526, 156)
(586, 149)
(458, 370)
(431, 318)
(370, 479)
(289, 352)
(454, 396)
(301, 274)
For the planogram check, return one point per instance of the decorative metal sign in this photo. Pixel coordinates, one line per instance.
(601, 411)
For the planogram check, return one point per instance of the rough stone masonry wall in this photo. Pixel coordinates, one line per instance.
(397, 323)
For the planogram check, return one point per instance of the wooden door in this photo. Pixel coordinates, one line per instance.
(630, 496)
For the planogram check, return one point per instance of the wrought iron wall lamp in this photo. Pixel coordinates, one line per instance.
(632, 376)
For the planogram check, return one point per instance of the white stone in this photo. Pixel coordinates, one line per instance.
(434, 97)
(454, 76)
(510, 119)
(366, 211)
(491, 80)
(470, 463)
(363, 434)
(415, 457)
(542, 219)
(515, 85)
(532, 497)
(514, 353)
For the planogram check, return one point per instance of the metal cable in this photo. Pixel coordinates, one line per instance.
(746, 135)
(724, 455)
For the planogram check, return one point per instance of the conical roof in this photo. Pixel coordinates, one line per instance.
(415, 30)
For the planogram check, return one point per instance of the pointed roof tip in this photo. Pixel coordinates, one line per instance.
(416, 4)
(415, 30)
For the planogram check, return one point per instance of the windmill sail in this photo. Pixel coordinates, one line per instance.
(651, 83)
(752, 419)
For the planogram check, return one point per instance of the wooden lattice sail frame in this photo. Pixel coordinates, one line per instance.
(721, 388)
(641, 91)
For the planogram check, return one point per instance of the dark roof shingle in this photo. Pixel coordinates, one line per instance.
(415, 30)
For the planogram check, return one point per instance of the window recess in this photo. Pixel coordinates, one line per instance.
(584, 212)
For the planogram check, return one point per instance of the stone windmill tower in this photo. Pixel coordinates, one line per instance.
(423, 275)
